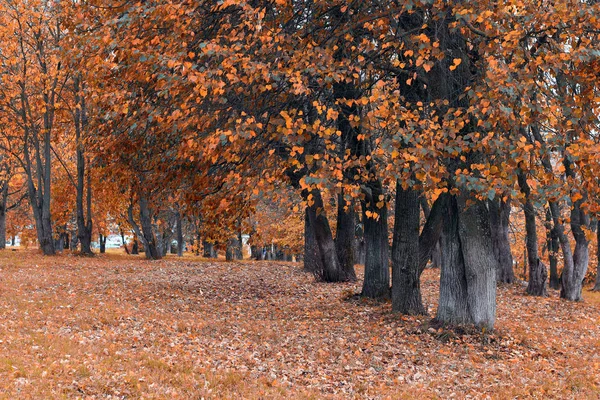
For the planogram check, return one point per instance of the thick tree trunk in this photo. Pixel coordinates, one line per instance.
(537, 270)
(499, 221)
(209, 250)
(376, 283)
(552, 246)
(574, 273)
(233, 249)
(331, 269)
(146, 233)
(468, 274)
(406, 286)
(255, 252)
(344, 241)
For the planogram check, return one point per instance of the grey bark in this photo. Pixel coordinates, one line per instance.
(499, 224)
(344, 241)
(376, 283)
(597, 284)
(406, 286)
(84, 217)
(468, 273)
(537, 270)
(331, 269)
(552, 246)
(180, 243)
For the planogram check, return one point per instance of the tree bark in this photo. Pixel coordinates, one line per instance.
(499, 221)
(180, 242)
(537, 270)
(597, 284)
(135, 247)
(312, 257)
(406, 286)
(376, 283)
(3, 206)
(102, 240)
(233, 249)
(574, 273)
(344, 241)
(432, 231)
(146, 233)
(209, 250)
(123, 240)
(552, 246)
(84, 223)
(468, 274)
(332, 271)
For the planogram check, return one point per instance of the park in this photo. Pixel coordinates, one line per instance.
(299, 199)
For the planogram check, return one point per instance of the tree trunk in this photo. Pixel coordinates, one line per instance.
(3, 205)
(436, 255)
(331, 269)
(537, 270)
(209, 250)
(180, 243)
(552, 246)
(123, 240)
(406, 286)
(597, 284)
(102, 244)
(135, 247)
(233, 249)
(84, 223)
(146, 233)
(499, 221)
(468, 274)
(312, 257)
(376, 283)
(432, 231)
(344, 241)
(574, 272)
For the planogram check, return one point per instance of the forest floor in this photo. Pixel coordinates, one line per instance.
(114, 326)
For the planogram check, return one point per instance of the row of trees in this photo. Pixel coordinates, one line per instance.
(212, 113)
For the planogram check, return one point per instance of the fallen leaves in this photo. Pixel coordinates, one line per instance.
(116, 327)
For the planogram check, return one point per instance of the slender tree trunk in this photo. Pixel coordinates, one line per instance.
(537, 270)
(102, 244)
(376, 283)
(406, 286)
(84, 227)
(135, 247)
(499, 220)
(180, 243)
(436, 255)
(597, 284)
(344, 241)
(123, 240)
(553, 247)
(468, 274)
(3, 205)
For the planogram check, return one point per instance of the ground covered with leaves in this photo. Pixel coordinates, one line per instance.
(118, 327)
